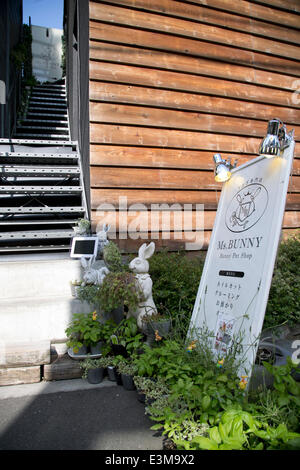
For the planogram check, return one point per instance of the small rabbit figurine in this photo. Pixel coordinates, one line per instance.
(140, 267)
(102, 237)
(92, 275)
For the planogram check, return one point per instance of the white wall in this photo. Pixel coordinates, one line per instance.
(46, 53)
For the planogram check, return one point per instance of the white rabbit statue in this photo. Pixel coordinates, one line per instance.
(102, 238)
(92, 275)
(140, 267)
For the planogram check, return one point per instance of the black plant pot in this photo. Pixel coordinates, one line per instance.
(96, 348)
(119, 350)
(95, 376)
(118, 378)
(141, 396)
(128, 382)
(111, 372)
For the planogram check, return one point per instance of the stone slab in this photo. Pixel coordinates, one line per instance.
(20, 375)
(22, 354)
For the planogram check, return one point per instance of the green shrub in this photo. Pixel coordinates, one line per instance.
(176, 280)
(284, 297)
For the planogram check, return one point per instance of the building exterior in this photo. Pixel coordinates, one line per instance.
(171, 83)
(46, 53)
(10, 76)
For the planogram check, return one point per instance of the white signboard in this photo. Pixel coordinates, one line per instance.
(236, 279)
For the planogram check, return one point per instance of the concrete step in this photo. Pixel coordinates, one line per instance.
(20, 375)
(37, 278)
(24, 354)
(39, 318)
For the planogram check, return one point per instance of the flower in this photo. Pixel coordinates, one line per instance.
(220, 363)
(95, 315)
(243, 382)
(157, 337)
(191, 346)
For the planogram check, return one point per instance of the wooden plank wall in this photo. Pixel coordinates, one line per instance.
(171, 83)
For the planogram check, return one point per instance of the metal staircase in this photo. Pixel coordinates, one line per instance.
(41, 182)
(47, 116)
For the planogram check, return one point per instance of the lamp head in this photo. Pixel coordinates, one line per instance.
(222, 168)
(276, 139)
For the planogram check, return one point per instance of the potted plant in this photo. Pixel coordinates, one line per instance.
(156, 326)
(126, 338)
(113, 258)
(75, 334)
(93, 370)
(87, 333)
(118, 289)
(82, 227)
(127, 371)
(150, 389)
(75, 285)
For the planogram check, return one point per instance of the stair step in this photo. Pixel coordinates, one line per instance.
(17, 141)
(46, 137)
(41, 210)
(37, 129)
(45, 171)
(14, 221)
(62, 111)
(48, 87)
(45, 116)
(40, 156)
(39, 102)
(29, 248)
(56, 92)
(57, 123)
(36, 234)
(40, 190)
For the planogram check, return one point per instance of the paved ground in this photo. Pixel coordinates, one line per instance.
(74, 415)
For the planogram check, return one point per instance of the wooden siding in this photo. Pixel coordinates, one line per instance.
(171, 83)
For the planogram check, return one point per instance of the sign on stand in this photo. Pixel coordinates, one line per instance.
(237, 275)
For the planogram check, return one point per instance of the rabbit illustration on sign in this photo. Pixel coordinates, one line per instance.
(140, 267)
(245, 208)
(92, 275)
(102, 238)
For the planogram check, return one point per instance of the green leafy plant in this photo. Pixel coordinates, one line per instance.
(239, 430)
(153, 389)
(284, 297)
(89, 363)
(88, 293)
(126, 367)
(83, 226)
(282, 403)
(176, 292)
(87, 329)
(117, 289)
(127, 334)
(113, 258)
